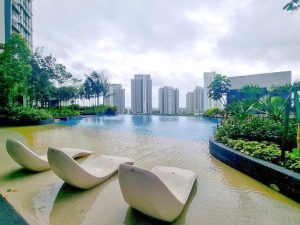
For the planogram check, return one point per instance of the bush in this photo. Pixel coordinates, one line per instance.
(254, 128)
(64, 112)
(267, 151)
(213, 112)
(27, 115)
(102, 109)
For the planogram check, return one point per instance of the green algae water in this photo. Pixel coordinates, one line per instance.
(221, 195)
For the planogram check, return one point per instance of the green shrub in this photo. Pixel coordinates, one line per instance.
(63, 112)
(27, 115)
(253, 128)
(213, 112)
(267, 151)
(102, 109)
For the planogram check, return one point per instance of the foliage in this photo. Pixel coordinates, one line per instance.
(46, 75)
(64, 112)
(27, 115)
(213, 112)
(218, 88)
(252, 90)
(96, 84)
(255, 128)
(264, 150)
(102, 109)
(292, 5)
(14, 70)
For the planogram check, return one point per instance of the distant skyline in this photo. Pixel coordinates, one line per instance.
(175, 41)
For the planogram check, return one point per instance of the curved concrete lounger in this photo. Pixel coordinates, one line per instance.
(22, 155)
(88, 174)
(160, 193)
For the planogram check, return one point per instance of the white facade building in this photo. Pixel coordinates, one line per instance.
(263, 80)
(208, 102)
(16, 17)
(116, 97)
(190, 102)
(199, 99)
(168, 98)
(141, 94)
(195, 101)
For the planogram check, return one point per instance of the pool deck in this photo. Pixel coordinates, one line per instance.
(8, 215)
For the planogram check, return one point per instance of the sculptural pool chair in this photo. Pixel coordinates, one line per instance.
(160, 193)
(88, 174)
(21, 154)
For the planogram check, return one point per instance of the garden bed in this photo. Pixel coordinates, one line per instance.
(278, 178)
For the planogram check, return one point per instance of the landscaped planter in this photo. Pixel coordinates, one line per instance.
(287, 181)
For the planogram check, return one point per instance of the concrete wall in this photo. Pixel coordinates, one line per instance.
(267, 173)
(264, 80)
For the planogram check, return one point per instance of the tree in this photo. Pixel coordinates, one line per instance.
(252, 90)
(218, 88)
(292, 5)
(96, 84)
(46, 76)
(15, 70)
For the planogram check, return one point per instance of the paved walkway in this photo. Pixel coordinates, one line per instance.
(8, 215)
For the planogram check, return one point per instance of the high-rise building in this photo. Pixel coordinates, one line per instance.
(116, 97)
(16, 17)
(141, 94)
(168, 98)
(195, 101)
(208, 102)
(190, 102)
(199, 99)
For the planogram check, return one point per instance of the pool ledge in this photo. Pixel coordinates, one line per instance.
(287, 181)
(8, 215)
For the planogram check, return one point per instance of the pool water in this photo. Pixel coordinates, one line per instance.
(193, 128)
(221, 194)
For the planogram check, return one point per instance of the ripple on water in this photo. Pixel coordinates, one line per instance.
(221, 194)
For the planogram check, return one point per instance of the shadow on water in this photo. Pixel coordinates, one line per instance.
(72, 204)
(18, 174)
(134, 217)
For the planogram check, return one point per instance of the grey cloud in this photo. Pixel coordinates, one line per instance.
(262, 32)
(137, 25)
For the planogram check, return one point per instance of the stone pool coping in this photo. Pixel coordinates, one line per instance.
(8, 214)
(287, 181)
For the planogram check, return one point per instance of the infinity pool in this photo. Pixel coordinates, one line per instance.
(221, 194)
(193, 128)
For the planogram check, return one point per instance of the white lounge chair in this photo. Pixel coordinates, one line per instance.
(88, 174)
(25, 157)
(160, 193)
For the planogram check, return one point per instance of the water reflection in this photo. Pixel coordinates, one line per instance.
(141, 120)
(168, 118)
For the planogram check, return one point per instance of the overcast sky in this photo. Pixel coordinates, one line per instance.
(173, 40)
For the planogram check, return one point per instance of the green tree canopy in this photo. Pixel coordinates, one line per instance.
(292, 5)
(218, 88)
(15, 70)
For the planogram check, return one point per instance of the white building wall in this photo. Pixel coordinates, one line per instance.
(264, 80)
(116, 97)
(141, 94)
(168, 101)
(190, 102)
